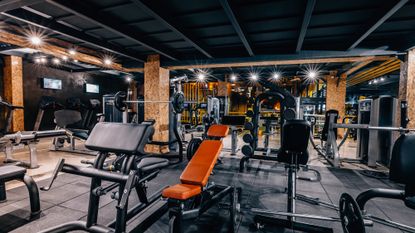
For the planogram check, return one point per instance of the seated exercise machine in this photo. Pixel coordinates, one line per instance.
(8, 141)
(235, 124)
(136, 170)
(11, 172)
(402, 170)
(293, 153)
(195, 195)
(46, 103)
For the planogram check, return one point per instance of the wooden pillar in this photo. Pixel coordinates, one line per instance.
(336, 95)
(407, 85)
(157, 87)
(13, 89)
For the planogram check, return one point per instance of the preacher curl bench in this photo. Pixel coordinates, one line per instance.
(195, 195)
(123, 140)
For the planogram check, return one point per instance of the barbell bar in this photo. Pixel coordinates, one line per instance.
(177, 102)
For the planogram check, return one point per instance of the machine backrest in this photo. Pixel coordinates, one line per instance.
(218, 131)
(67, 117)
(402, 164)
(295, 136)
(324, 133)
(119, 137)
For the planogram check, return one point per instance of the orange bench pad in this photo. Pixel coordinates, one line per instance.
(208, 152)
(220, 131)
(182, 191)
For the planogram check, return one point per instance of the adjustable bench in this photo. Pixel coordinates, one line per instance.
(11, 172)
(194, 184)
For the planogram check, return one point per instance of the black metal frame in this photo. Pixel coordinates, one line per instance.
(125, 180)
(182, 210)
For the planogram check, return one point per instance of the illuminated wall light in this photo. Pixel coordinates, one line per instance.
(72, 51)
(35, 40)
(56, 61)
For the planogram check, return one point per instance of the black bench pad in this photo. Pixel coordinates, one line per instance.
(11, 172)
(410, 202)
(148, 165)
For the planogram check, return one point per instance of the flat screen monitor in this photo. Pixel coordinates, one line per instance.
(91, 88)
(50, 83)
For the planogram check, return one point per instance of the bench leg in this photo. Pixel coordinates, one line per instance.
(33, 156)
(33, 195)
(3, 196)
(175, 222)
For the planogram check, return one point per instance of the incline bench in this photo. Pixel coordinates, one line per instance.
(11, 172)
(194, 186)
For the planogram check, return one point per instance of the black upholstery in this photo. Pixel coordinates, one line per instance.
(118, 137)
(11, 172)
(324, 133)
(402, 165)
(66, 117)
(294, 142)
(80, 134)
(410, 202)
(147, 165)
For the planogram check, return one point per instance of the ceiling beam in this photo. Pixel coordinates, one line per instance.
(379, 22)
(89, 13)
(7, 5)
(306, 21)
(276, 62)
(357, 66)
(229, 12)
(51, 25)
(174, 26)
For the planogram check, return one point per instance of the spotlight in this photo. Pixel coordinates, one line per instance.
(254, 77)
(128, 79)
(43, 60)
(312, 74)
(233, 77)
(35, 40)
(375, 81)
(65, 58)
(37, 60)
(201, 76)
(382, 79)
(276, 76)
(107, 61)
(72, 51)
(370, 82)
(56, 61)
(76, 61)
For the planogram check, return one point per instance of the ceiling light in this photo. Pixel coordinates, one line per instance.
(201, 76)
(72, 51)
(76, 61)
(382, 79)
(375, 81)
(312, 74)
(37, 59)
(254, 76)
(56, 61)
(128, 79)
(35, 40)
(107, 61)
(65, 58)
(233, 77)
(43, 60)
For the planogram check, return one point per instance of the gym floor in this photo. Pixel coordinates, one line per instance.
(262, 186)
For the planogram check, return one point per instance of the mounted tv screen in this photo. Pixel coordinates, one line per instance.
(50, 83)
(91, 88)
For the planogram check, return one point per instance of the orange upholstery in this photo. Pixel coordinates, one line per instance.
(182, 191)
(220, 131)
(197, 172)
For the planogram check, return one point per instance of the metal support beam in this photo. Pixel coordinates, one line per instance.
(170, 23)
(51, 25)
(236, 26)
(7, 5)
(379, 22)
(89, 13)
(306, 21)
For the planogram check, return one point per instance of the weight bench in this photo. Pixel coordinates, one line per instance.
(194, 186)
(11, 172)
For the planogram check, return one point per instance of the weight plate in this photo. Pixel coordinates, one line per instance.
(248, 138)
(249, 126)
(192, 147)
(247, 150)
(119, 100)
(289, 114)
(289, 101)
(178, 102)
(350, 215)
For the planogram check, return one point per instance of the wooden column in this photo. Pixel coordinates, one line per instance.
(336, 95)
(407, 85)
(13, 89)
(156, 87)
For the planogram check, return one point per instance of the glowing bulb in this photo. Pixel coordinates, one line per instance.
(201, 76)
(312, 74)
(43, 60)
(276, 76)
(65, 58)
(254, 76)
(382, 79)
(128, 79)
(72, 52)
(76, 61)
(56, 61)
(37, 60)
(35, 40)
(233, 77)
(107, 61)
(375, 81)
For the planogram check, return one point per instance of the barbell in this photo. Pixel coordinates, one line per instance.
(177, 102)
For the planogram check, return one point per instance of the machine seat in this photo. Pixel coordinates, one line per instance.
(80, 134)
(148, 165)
(182, 191)
(11, 172)
(218, 131)
(196, 174)
(410, 202)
